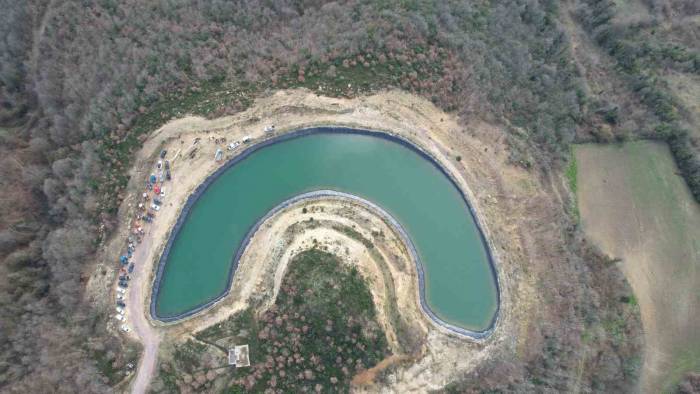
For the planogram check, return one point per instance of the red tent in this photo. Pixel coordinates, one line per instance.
(156, 189)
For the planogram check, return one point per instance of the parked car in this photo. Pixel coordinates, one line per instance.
(120, 310)
(120, 297)
(163, 153)
(120, 317)
(159, 165)
(155, 207)
(125, 328)
(167, 165)
(121, 304)
(167, 174)
(131, 267)
(123, 284)
(121, 290)
(157, 201)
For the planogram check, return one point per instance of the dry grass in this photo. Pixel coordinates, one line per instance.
(635, 207)
(686, 88)
(631, 11)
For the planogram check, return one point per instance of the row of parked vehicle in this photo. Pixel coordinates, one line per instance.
(127, 267)
(155, 184)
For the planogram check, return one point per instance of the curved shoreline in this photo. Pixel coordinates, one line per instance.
(194, 197)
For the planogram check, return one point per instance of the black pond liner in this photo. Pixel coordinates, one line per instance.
(194, 197)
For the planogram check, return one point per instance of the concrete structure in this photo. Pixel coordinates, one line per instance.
(238, 356)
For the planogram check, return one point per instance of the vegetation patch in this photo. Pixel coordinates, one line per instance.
(571, 176)
(353, 234)
(320, 332)
(116, 366)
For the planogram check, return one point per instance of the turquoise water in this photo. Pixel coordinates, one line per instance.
(460, 287)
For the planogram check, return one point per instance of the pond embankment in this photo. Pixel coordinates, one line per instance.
(461, 289)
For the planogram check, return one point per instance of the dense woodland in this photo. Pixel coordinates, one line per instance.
(82, 81)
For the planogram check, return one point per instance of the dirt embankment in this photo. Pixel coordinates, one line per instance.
(513, 207)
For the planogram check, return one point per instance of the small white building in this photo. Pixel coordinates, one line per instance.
(238, 356)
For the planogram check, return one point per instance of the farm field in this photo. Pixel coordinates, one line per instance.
(637, 209)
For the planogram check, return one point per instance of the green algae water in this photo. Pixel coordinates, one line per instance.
(460, 287)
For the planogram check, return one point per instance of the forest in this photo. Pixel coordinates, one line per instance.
(83, 82)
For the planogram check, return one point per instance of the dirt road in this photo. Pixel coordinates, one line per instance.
(136, 315)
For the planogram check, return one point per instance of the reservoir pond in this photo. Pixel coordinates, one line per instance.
(459, 282)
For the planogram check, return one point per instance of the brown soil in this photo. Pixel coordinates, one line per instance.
(367, 377)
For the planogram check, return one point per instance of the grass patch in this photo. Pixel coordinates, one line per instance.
(615, 327)
(189, 354)
(571, 174)
(113, 364)
(354, 234)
